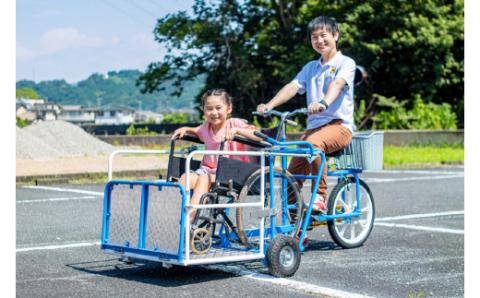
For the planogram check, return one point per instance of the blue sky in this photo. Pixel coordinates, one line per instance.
(58, 39)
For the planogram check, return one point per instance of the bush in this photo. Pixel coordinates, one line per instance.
(133, 131)
(176, 118)
(394, 115)
(22, 122)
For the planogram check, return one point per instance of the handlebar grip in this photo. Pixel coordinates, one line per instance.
(260, 135)
(291, 122)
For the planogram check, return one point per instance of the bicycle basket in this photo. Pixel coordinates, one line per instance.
(364, 152)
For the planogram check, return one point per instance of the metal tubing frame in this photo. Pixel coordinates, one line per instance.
(282, 151)
(188, 207)
(140, 250)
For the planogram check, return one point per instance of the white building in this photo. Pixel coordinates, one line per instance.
(148, 116)
(75, 114)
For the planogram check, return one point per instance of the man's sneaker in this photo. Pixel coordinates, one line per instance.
(320, 204)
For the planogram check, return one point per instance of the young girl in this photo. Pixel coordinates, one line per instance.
(216, 105)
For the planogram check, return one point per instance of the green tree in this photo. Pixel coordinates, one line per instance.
(253, 47)
(26, 92)
(175, 118)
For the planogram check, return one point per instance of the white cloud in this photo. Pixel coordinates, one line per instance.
(145, 41)
(24, 54)
(115, 39)
(66, 38)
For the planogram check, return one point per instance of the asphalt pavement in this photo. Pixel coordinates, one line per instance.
(416, 249)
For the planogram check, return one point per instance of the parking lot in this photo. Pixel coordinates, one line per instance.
(416, 249)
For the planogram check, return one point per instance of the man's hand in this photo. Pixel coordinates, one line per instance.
(262, 108)
(316, 107)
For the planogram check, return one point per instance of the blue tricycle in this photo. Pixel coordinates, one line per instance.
(254, 211)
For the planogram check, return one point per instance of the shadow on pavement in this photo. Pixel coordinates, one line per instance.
(150, 272)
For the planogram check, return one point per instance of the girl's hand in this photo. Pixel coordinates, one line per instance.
(230, 134)
(179, 133)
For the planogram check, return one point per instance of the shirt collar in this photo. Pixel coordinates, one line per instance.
(332, 61)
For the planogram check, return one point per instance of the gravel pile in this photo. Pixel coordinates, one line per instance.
(55, 139)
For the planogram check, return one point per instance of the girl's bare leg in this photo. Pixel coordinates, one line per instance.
(202, 186)
(193, 180)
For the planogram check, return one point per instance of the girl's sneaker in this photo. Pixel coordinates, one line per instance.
(320, 204)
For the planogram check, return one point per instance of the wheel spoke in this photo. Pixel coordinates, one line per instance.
(352, 230)
(343, 228)
(345, 207)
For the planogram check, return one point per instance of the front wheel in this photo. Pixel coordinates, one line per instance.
(352, 231)
(283, 256)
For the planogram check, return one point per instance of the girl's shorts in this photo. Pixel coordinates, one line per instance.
(200, 171)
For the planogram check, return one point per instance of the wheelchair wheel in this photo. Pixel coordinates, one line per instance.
(354, 231)
(201, 241)
(288, 213)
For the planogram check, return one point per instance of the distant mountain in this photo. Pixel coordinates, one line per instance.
(113, 89)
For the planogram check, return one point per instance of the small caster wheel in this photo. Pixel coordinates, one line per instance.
(201, 241)
(283, 256)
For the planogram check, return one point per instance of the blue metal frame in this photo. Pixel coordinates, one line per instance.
(282, 148)
(303, 147)
(142, 228)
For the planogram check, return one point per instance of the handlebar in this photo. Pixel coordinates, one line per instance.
(283, 115)
(273, 112)
(285, 143)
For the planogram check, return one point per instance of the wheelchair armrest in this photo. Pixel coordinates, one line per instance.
(247, 141)
(191, 138)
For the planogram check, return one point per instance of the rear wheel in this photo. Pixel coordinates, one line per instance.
(288, 213)
(354, 231)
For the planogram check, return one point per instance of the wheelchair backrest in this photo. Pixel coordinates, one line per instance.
(176, 164)
(234, 171)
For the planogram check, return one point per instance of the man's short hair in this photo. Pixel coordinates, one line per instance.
(323, 22)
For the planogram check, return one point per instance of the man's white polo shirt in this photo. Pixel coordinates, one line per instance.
(314, 78)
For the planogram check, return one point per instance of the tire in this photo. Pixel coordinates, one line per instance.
(201, 241)
(354, 231)
(248, 218)
(283, 256)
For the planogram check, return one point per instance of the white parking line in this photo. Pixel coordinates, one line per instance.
(420, 228)
(422, 215)
(57, 199)
(377, 180)
(52, 247)
(420, 172)
(289, 283)
(382, 222)
(87, 192)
